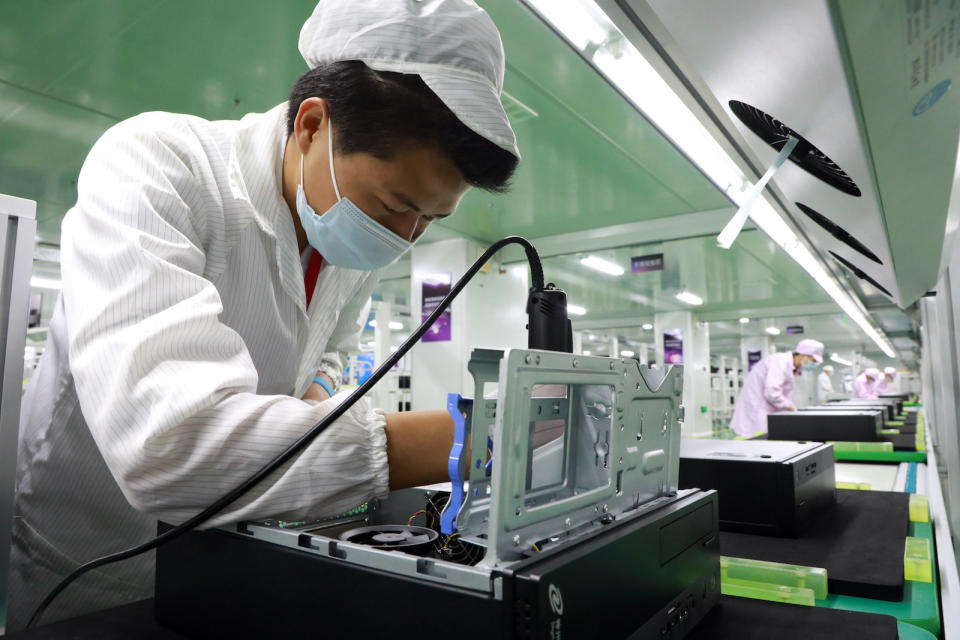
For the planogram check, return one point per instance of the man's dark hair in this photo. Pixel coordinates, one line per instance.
(376, 112)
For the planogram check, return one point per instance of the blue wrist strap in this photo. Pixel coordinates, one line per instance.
(323, 383)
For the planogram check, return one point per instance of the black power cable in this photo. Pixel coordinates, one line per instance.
(536, 271)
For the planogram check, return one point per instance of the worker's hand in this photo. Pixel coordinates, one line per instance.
(792, 409)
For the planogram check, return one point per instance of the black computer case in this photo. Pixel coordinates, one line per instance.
(653, 575)
(766, 488)
(825, 426)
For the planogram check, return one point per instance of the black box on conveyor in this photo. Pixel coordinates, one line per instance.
(899, 397)
(766, 488)
(842, 408)
(888, 403)
(855, 425)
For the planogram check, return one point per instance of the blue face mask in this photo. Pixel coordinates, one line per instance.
(345, 236)
(809, 366)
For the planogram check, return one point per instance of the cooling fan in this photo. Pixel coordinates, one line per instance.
(807, 156)
(393, 537)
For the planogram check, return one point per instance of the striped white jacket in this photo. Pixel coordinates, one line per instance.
(178, 349)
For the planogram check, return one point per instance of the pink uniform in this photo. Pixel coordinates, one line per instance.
(864, 388)
(882, 386)
(766, 390)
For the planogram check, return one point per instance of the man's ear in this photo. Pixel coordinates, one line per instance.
(311, 121)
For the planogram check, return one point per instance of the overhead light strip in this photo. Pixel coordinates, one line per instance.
(601, 265)
(587, 28)
(835, 357)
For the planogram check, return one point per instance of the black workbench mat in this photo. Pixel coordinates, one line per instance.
(744, 619)
(859, 541)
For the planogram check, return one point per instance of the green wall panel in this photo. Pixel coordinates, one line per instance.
(69, 69)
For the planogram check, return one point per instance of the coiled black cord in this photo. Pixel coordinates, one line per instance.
(536, 271)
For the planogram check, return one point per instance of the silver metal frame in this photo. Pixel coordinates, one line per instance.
(634, 443)
(640, 473)
(18, 226)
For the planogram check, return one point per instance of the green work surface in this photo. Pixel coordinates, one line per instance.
(881, 456)
(920, 605)
(910, 632)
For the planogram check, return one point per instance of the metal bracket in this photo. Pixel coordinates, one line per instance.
(603, 464)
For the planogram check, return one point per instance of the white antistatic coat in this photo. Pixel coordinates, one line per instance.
(864, 388)
(824, 386)
(178, 350)
(766, 390)
(882, 385)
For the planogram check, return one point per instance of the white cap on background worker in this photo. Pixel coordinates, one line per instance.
(884, 379)
(812, 348)
(865, 386)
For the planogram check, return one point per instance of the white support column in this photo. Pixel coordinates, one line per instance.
(696, 366)
(578, 342)
(643, 352)
(489, 313)
(384, 393)
(752, 341)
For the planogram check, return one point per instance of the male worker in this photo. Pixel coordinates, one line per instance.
(824, 384)
(213, 275)
(884, 379)
(768, 386)
(865, 385)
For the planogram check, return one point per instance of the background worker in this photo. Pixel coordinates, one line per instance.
(865, 386)
(768, 387)
(824, 384)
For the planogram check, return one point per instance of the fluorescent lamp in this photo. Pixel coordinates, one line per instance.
(744, 320)
(394, 325)
(587, 352)
(626, 353)
(647, 326)
(574, 20)
(601, 265)
(38, 282)
(690, 298)
(772, 331)
(835, 357)
(576, 309)
(626, 68)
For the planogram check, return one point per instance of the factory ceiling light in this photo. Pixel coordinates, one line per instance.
(690, 298)
(624, 66)
(744, 320)
(38, 282)
(576, 309)
(835, 357)
(772, 331)
(601, 265)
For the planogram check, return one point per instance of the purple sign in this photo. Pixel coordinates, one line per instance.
(642, 264)
(753, 357)
(434, 289)
(673, 346)
(795, 329)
